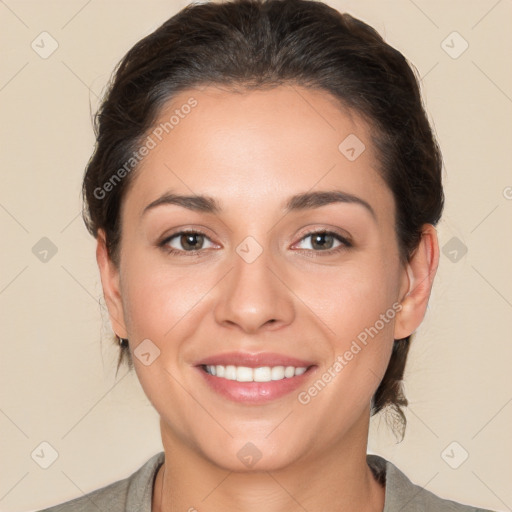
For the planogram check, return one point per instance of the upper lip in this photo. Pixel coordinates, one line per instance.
(254, 360)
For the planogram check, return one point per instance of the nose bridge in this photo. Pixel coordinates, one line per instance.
(253, 296)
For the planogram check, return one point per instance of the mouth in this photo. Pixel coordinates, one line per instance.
(254, 378)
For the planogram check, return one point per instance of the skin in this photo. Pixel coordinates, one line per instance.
(251, 152)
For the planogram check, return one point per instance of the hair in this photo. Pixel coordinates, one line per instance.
(257, 44)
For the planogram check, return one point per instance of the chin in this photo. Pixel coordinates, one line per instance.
(241, 455)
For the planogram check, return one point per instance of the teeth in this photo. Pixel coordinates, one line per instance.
(261, 374)
(289, 372)
(244, 374)
(230, 373)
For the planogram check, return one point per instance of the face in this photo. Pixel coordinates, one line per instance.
(271, 320)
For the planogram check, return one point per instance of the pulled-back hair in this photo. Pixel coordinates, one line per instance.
(256, 44)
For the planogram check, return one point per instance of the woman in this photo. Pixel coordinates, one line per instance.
(264, 192)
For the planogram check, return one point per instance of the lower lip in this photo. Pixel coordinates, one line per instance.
(254, 392)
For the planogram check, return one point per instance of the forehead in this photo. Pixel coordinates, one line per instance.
(251, 147)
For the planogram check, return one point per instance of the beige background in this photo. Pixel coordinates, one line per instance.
(58, 380)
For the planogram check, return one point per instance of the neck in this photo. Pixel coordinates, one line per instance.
(339, 479)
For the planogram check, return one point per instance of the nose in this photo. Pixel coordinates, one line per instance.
(254, 296)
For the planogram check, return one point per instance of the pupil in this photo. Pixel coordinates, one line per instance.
(189, 239)
(320, 244)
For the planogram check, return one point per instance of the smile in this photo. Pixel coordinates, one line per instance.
(260, 374)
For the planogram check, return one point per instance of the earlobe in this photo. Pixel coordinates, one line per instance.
(110, 282)
(420, 272)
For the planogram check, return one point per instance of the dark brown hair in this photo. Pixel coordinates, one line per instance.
(251, 44)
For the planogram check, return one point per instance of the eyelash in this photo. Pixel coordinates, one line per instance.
(345, 243)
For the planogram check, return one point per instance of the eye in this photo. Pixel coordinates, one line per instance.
(324, 241)
(185, 241)
(194, 241)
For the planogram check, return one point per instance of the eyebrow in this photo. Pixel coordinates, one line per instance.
(298, 202)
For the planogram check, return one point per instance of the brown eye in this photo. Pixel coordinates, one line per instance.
(325, 241)
(191, 241)
(186, 241)
(322, 241)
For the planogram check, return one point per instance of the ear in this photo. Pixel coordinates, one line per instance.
(418, 279)
(111, 286)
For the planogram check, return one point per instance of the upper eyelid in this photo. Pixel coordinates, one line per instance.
(330, 231)
(344, 240)
(168, 238)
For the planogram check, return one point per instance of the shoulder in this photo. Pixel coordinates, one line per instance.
(132, 494)
(402, 494)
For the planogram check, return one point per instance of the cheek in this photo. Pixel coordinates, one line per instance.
(360, 307)
(352, 297)
(160, 300)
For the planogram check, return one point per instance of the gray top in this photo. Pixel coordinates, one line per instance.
(134, 494)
